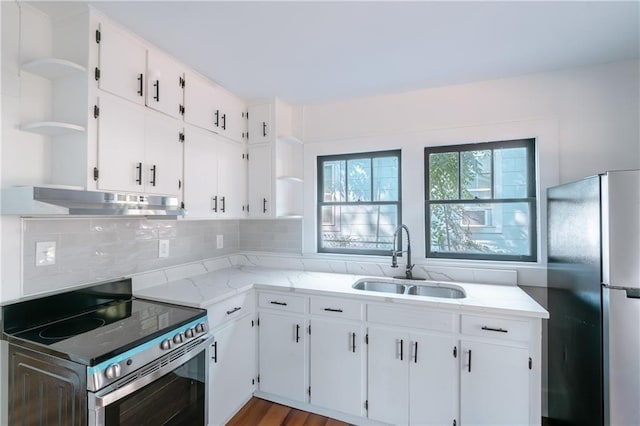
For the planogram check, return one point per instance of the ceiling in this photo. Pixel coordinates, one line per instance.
(314, 52)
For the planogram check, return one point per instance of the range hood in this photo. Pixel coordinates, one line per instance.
(36, 200)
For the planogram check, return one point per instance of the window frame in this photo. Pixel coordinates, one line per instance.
(320, 203)
(530, 199)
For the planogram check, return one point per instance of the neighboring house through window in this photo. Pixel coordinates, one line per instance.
(480, 201)
(359, 202)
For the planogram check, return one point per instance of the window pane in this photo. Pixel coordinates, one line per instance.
(359, 172)
(385, 179)
(489, 229)
(443, 176)
(476, 174)
(511, 173)
(361, 227)
(333, 181)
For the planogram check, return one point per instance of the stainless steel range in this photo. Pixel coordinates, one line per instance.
(99, 356)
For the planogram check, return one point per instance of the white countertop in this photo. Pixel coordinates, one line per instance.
(207, 289)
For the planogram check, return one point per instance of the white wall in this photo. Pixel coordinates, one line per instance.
(585, 121)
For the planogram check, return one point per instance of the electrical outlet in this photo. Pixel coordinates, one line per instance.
(163, 248)
(219, 241)
(45, 253)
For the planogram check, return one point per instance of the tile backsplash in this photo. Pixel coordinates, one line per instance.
(95, 249)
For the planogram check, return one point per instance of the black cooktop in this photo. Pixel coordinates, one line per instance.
(93, 324)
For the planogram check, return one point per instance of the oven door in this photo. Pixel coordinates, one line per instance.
(169, 391)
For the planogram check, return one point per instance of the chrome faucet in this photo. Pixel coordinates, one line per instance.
(394, 254)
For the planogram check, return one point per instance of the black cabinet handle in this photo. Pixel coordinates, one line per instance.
(224, 121)
(401, 349)
(297, 333)
(217, 122)
(157, 86)
(139, 170)
(140, 83)
(264, 129)
(214, 201)
(153, 176)
(499, 330)
(469, 360)
(273, 302)
(264, 205)
(353, 342)
(332, 310)
(215, 352)
(236, 309)
(415, 352)
(223, 204)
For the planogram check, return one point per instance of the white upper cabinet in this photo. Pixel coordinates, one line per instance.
(260, 123)
(165, 78)
(233, 112)
(122, 63)
(200, 99)
(260, 182)
(138, 150)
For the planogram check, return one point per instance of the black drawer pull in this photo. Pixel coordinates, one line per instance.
(332, 310)
(415, 353)
(139, 170)
(499, 330)
(469, 360)
(141, 83)
(353, 342)
(273, 302)
(157, 86)
(401, 349)
(215, 353)
(264, 129)
(236, 309)
(297, 333)
(214, 204)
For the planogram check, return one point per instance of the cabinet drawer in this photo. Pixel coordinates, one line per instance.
(283, 302)
(415, 318)
(495, 328)
(336, 308)
(231, 308)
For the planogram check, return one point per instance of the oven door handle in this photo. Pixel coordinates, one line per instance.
(112, 393)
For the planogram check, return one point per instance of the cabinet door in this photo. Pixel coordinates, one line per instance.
(164, 89)
(232, 370)
(120, 145)
(122, 63)
(163, 155)
(260, 123)
(433, 380)
(234, 124)
(200, 100)
(336, 366)
(232, 179)
(200, 173)
(388, 375)
(282, 356)
(494, 385)
(260, 181)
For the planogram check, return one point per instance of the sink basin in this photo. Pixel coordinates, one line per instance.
(381, 286)
(431, 291)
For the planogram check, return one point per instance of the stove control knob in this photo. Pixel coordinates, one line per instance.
(178, 338)
(166, 344)
(112, 371)
(189, 333)
(200, 328)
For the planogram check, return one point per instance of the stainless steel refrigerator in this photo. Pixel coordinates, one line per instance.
(594, 300)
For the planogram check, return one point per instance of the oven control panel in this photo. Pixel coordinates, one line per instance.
(119, 366)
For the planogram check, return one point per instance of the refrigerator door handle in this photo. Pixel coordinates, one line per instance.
(633, 293)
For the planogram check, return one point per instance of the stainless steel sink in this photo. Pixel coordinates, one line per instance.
(381, 286)
(432, 291)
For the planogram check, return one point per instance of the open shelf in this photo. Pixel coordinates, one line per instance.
(53, 68)
(51, 128)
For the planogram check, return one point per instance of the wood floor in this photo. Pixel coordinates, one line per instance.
(264, 413)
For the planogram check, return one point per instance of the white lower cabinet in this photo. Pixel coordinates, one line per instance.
(337, 355)
(494, 385)
(283, 355)
(412, 377)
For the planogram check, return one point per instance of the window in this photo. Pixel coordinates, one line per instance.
(358, 202)
(480, 201)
